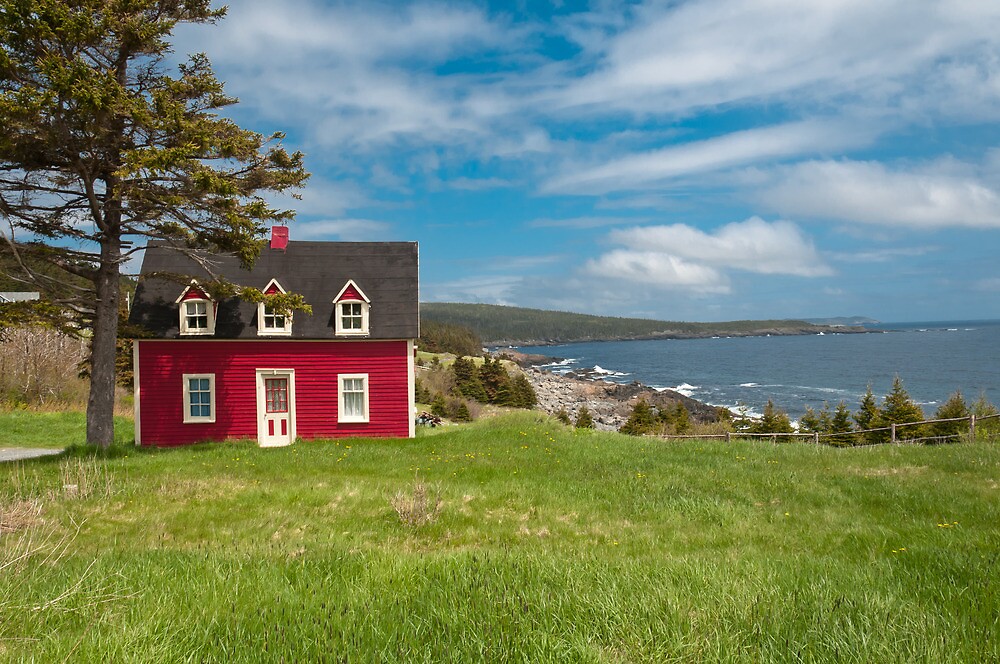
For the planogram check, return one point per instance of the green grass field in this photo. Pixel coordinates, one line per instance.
(550, 545)
(53, 430)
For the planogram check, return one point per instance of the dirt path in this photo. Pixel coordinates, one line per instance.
(20, 453)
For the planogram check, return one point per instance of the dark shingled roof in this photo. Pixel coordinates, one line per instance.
(386, 272)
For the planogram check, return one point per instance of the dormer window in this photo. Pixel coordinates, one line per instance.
(351, 317)
(351, 309)
(197, 311)
(271, 322)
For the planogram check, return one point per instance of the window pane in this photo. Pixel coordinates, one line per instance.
(354, 404)
(199, 397)
(353, 397)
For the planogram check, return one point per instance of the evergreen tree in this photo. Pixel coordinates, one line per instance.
(825, 419)
(420, 393)
(986, 429)
(682, 419)
(438, 406)
(563, 417)
(665, 418)
(496, 381)
(810, 422)
(458, 411)
(584, 419)
(953, 408)
(741, 420)
(774, 420)
(102, 148)
(438, 337)
(840, 426)
(522, 393)
(870, 417)
(467, 380)
(899, 408)
(640, 421)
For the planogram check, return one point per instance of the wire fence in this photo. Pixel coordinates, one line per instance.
(894, 434)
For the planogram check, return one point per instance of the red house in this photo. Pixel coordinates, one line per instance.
(212, 370)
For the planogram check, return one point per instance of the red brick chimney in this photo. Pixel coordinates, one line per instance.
(279, 237)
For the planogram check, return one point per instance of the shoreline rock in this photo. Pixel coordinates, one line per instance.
(609, 403)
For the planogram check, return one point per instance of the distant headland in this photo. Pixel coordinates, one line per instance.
(499, 325)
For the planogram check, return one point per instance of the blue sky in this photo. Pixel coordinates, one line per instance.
(695, 160)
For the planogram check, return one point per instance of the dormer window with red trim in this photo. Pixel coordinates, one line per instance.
(197, 311)
(270, 322)
(351, 311)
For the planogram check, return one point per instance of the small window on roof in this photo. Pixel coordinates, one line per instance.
(197, 312)
(351, 313)
(271, 322)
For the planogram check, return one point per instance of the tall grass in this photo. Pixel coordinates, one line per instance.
(549, 544)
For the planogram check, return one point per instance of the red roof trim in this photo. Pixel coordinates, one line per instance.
(351, 291)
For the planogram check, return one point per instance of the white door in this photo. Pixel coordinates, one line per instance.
(275, 408)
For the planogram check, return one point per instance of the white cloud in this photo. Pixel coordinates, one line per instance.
(487, 289)
(881, 255)
(639, 171)
(683, 258)
(659, 270)
(478, 184)
(349, 230)
(583, 222)
(991, 285)
(753, 245)
(676, 57)
(871, 193)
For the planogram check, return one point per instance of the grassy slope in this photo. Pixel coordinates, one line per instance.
(552, 545)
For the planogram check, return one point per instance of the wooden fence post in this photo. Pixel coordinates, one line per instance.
(816, 437)
(728, 439)
(972, 428)
(893, 434)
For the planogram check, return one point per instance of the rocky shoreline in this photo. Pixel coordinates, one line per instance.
(608, 403)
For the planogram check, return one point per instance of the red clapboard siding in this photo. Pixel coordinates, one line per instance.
(317, 364)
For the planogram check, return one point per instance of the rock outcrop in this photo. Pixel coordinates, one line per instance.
(609, 403)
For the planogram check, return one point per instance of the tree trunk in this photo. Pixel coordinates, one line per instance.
(101, 404)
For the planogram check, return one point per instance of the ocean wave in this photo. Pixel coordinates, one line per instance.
(608, 372)
(560, 363)
(749, 384)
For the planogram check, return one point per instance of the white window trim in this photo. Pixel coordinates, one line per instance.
(365, 303)
(341, 417)
(191, 419)
(197, 331)
(340, 319)
(262, 331)
(181, 303)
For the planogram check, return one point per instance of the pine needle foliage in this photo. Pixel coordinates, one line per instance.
(104, 148)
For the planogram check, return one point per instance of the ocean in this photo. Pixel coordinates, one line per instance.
(933, 360)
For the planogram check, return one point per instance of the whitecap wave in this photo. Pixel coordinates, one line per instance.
(749, 384)
(607, 372)
(686, 389)
(560, 363)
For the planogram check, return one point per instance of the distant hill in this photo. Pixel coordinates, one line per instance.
(501, 326)
(849, 321)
